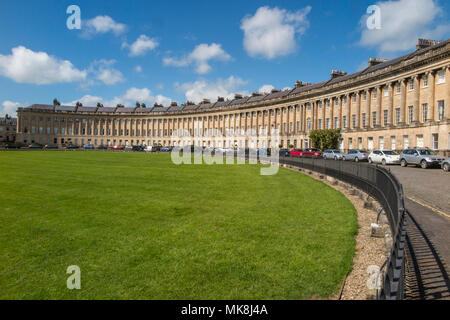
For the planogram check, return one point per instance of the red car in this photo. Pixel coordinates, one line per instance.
(312, 153)
(296, 152)
(116, 147)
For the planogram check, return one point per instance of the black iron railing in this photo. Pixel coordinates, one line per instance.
(380, 184)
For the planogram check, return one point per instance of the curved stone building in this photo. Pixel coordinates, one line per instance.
(394, 104)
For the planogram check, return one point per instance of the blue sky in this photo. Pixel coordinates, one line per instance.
(173, 51)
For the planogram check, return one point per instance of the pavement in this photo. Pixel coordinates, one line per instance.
(427, 199)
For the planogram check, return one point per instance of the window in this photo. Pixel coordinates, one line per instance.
(411, 84)
(374, 118)
(397, 115)
(308, 124)
(419, 141)
(405, 142)
(398, 87)
(344, 122)
(386, 91)
(365, 95)
(381, 142)
(363, 119)
(320, 123)
(441, 76)
(328, 123)
(434, 141)
(350, 143)
(393, 143)
(353, 120)
(424, 112)
(410, 114)
(425, 81)
(360, 143)
(440, 110)
(335, 122)
(375, 93)
(385, 117)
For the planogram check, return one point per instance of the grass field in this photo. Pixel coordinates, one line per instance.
(140, 227)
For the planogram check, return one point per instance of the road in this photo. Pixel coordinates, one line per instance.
(427, 198)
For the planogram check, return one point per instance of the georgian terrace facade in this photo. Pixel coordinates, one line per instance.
(395, 104)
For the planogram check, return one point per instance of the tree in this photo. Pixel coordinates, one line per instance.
(325, 139)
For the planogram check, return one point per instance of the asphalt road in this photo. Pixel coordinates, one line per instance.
(427, 199)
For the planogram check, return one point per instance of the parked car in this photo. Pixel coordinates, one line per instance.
(156, 148)
(311, 153)
(116, 147)
(446, 164)
(263, 151)
(72, 147)
(102, 147)
(138, 148)
(332, 154)
(384, 157)
(420, 157)
(166, 149)
(356, 155)
(284, 153)
(34, 146)
(88, 147)
(49, 147)
(296, 152)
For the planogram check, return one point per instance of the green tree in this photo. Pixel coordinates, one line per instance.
(325, 139)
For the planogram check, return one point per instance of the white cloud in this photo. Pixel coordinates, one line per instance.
(138, 69)
(141, 45)
(272, 32)
(10, 108)
(402, 23)
(200, 57)
(27, 66)
(267, 88)
(196, 91)
(102, 25)
(128, 99)
(103, 71)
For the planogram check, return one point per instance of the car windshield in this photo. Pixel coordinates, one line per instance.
(426, 152)
(390, 152)
(362, 151)
(336, 151)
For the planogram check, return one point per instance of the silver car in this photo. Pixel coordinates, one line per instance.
(356, 155)
(446, 165)
(332, 154)
(420, 157)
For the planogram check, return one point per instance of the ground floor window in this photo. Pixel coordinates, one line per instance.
(435, 141)
(419, 141)
(405, 142)
(393, 143)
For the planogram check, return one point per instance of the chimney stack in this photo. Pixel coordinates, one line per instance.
(375, 61)
(425, 43)
(337, 73)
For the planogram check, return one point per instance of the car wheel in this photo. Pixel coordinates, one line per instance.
(403, 163)
(356, 159)
(423, 164)
(370, 160)
(383, 162)
(446, 167)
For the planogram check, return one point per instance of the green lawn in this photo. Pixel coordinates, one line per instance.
(140, 227)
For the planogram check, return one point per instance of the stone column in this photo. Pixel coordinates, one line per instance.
(379, 103)
(358, 109)
(403, 110)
